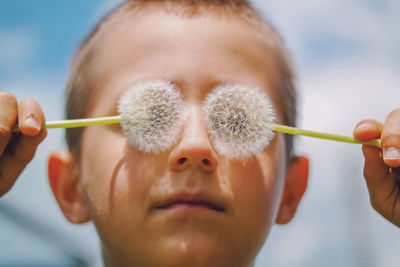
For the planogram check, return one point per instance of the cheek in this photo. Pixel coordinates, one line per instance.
(257, 185)
(100, 166)
(255, 194)
(108, 169)
(116, 180)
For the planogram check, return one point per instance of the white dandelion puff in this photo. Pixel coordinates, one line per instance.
(152, 115)
(240, 119)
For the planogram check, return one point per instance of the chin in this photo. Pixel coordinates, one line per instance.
(194, 249)
(199, 250)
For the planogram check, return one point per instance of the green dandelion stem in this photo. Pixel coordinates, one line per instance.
(276, 127)
(82, 122)
(328, 136)
(75, 123)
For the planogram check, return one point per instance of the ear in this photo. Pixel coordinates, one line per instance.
(295, 186)
(64, 181)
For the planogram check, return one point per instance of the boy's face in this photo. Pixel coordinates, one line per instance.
(187, 206)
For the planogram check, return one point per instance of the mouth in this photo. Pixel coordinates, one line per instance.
(191, 202)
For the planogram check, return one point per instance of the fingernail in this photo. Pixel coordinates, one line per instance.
(391, 153)
(363, 127)
(31, 122)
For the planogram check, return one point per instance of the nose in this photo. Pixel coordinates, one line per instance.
(194, 149)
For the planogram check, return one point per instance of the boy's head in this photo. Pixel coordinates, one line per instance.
(188, 205)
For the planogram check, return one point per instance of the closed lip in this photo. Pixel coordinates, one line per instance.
(194, 200)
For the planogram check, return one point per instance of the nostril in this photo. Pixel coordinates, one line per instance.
(206, 162)
(181, 161)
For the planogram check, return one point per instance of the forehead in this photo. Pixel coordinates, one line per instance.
(197, 53)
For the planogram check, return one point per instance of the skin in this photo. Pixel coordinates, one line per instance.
(120, 188)
(17, 150)
(116, 186)
(381, 170)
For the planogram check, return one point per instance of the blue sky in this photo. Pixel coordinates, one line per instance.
(347, 56)
(53, 27)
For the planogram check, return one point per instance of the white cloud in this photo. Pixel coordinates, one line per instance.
(290, 245)
(371, 29)
(17, 46)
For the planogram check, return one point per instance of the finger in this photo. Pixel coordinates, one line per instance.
(18, 155)
(367, 130)
(391, 139)
(8, 118)
(375, 170)
(379, 180)
(30, 117)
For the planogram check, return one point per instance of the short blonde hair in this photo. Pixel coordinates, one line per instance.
(80, 85)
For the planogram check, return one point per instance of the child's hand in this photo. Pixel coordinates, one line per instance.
(382, 167)
(17, 149)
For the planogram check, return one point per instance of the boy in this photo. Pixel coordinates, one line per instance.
(188, 205)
